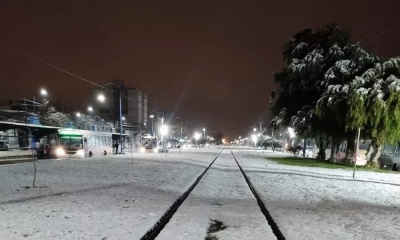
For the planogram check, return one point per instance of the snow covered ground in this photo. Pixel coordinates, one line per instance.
(103, 198)
(110, 198)
(221, 195)
(314, 203)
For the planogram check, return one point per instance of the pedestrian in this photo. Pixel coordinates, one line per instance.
(116, 147)
(47, 151)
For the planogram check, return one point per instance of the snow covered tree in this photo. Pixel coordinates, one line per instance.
(53, 118)
(309, 56)
(375, 106)
(334, 103)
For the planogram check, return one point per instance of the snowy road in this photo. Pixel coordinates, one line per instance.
(105, 198)
(222, 195)
(112, 198)
(315, 203)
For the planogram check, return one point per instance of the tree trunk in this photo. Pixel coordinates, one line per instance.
(322, 142)
(350, 148)
(370, 150)
(373, 161)
(334, 150)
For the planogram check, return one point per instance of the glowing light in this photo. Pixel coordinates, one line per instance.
(155, 149)
(43, 92)
(101, 97)
(123, 118)
(197, 135)
(254, 129)
(78, 114)
(142, 149)
(90, 109)
(164, 130)
(60, 152)
(80, 152)
(292, 134)
(152, 116)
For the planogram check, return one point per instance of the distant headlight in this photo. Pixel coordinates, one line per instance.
(80, 152)
(155, 149)
(60, 152)
(142, 149)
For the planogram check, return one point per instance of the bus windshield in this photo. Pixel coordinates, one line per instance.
(71, 142)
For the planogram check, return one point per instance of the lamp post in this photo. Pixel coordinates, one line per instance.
(152, 124)
(101, 98)
(239, 140)
(197, 137)
(43, 93)
(163, 131)
(254, 137)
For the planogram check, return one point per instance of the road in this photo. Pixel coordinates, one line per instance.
(124, 196)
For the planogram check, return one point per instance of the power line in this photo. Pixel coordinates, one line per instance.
(74, 75)
(388, 29)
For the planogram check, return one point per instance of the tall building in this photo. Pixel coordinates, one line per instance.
(133, 102)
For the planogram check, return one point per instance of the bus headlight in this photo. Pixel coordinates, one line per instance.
(80, 152)
(60, 152)
(155, 149)
(142, 149)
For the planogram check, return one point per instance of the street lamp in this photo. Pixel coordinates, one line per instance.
(197, 136)
(90, 109)
(78, 114)
(101, 98)
(163, 131)
(152, 124)
(204, 131)
(255, 129)
(254, 137)
(43, 93)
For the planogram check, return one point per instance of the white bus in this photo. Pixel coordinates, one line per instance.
(82, 143)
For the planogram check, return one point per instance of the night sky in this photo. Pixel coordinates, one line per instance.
(209, 62)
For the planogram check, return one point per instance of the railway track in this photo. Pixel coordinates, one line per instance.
(163, 221)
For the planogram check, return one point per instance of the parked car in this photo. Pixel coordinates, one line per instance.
(4, 146)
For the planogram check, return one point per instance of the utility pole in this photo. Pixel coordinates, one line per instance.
(261, 126)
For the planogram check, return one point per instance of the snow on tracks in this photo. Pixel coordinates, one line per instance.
(222, 195)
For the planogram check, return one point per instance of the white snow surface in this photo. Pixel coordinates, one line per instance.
(221, 195)
(111, 198)
(98, 198)
(315, 203)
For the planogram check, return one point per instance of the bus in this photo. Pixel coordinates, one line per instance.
(69, 142)
(149, 144)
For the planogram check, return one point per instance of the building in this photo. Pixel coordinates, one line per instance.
(133, 101)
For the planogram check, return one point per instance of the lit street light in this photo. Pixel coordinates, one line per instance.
(123, 118)
(254, 138)
(90, 109)
(163, 132)
(43, 92)
(102, 98)
(255, 129)
(78, 114)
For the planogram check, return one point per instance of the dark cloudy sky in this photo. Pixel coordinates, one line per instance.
(209, 62)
